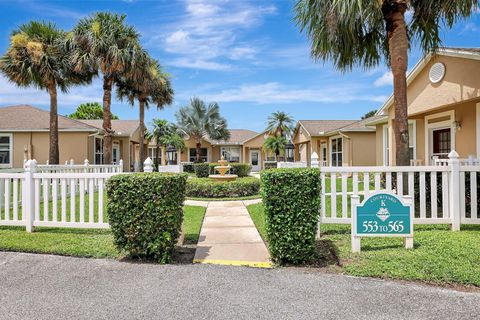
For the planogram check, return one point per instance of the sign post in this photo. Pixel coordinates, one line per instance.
(382, 214)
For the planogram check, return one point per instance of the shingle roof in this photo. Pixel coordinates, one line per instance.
(320, 127)
(361, 125)
(472, 50)
(28, 118)
(120, 127)
(237, 136)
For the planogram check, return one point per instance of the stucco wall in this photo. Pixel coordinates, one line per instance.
(362, 149)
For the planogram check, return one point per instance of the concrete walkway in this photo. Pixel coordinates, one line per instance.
(229, 237)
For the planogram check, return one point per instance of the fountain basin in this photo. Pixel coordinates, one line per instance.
(224, 177)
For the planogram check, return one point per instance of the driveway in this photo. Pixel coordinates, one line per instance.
(54, 287)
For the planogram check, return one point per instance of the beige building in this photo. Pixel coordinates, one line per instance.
(244, 146)
(24, 134)
(336, 142)
(443, 94)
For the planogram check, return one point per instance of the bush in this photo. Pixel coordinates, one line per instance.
(145, 213)
(202, 170)
(291, 200)
(208, 188)
(242, 170)
(269, 165)
(188, 167)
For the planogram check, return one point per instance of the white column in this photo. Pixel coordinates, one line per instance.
(455, 207)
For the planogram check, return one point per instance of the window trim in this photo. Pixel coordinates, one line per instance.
(386, 138)
(95, 151)
(331, 150)
(230, 147)
(438, 125)
(8, 165)
(190, 149)
(386, 145)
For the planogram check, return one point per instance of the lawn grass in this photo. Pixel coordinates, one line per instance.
(226, 199)
(192, 223)
(439, 256)
(82, 242)
(258, 217)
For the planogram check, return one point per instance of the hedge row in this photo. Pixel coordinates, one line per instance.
(291, 201)
(203, 170)
(207, 188)
(146, 212)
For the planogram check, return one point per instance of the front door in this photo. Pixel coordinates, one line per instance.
(116, 153)
(255, 160)
(442, 143)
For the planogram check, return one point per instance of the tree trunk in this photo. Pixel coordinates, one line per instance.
(141, 107)
(157, 155)
(394, 14)
(198, 150)
(53, 157)
(107, 120)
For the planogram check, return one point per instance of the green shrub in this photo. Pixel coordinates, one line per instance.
(188, 167)
(291, 201)
(145, 213)
(269, 165)
(242, 170)
(202, 170)
(207, 188)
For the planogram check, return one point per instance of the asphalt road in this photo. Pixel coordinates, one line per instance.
(53, 287)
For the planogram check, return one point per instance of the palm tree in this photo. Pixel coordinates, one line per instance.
(280, 123)
(275, 144)
(166, 134)
(201, 122)
(149, 85)
(366, 32)
(37, 58)
(104, 43)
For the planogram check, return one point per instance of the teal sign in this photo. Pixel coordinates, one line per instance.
(383, 214)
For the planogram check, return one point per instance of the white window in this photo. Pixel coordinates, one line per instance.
(231, 154)
(336, 154)
(386, 146)
(193, 155)
(323, 151)
(6, 146)
(98, 150)
(152, 153)
(412, 146)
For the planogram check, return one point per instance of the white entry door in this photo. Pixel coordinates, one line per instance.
(255, 160)
(116, 153)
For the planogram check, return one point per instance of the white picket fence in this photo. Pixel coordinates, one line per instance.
(71, 167)
(440, 193)
(72, 198)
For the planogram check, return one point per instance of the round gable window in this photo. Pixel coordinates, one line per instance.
(437, 72)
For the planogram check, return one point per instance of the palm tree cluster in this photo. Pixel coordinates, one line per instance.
(165, 134)
(280, 127)
(366, 32)
(103, 44)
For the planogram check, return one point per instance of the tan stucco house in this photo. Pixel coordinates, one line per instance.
(24, 134)
(336, 142)
(443, 96)
(244, 146)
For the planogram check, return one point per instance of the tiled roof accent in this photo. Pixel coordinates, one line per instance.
(120, 127)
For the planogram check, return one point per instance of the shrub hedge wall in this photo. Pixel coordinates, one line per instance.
(188, 168)
(207, 188)
(240, 169)
(202, 170)
(146, 212)
(291, 200)
(270, 165)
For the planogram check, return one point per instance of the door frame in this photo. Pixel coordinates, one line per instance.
(259, 165)
(430, 127)
(117, 147)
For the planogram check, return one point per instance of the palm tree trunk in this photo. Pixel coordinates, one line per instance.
(53, 157)
(394, 14)
(157, 151)
(107, 120)
(198, 150)
(141, 107)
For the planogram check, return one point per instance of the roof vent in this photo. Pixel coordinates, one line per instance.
(437, 72)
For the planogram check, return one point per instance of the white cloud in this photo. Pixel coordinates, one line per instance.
(274, 92)
(209, 35)
(385, 80)
(470, 27)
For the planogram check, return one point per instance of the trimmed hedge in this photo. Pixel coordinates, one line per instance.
(188, 168)
(270, 165)
(208, 188)
(146, 212)
(202, 170)
(291, 200)
(242, 170)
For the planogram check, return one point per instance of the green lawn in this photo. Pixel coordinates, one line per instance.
(82, 242)
(440, 256)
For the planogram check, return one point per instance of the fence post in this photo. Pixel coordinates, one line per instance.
(148, 165)
(120, 164)
(455, 206)
(314, 163)
(28, 199)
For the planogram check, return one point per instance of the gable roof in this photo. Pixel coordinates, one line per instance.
(320, 127)
(28, 118)
(237, 136)
(361, 125)
(467, 53)
(121, 128)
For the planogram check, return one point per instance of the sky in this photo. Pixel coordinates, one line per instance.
(246, 55)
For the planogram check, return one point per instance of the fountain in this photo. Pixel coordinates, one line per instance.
(222, 170)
